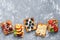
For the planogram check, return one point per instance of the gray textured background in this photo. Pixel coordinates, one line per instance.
(41, 10)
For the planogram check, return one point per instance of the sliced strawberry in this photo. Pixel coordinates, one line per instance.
(55, 29)
(53, 25)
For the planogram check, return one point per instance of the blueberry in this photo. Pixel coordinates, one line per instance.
(10, 29)
(26, 20)
(29, 21)
(31, 27)
(29, 24)
(33, 24)
(32, 19)
(26, 23)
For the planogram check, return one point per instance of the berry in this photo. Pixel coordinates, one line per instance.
(50, 21)
(53, 25)
(55, 29)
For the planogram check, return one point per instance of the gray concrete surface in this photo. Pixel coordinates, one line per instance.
(18, 10)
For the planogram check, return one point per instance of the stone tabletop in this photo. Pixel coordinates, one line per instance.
(18, 10)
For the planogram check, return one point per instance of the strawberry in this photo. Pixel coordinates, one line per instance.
(53, 25)
(50, 21)
(55, 29)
